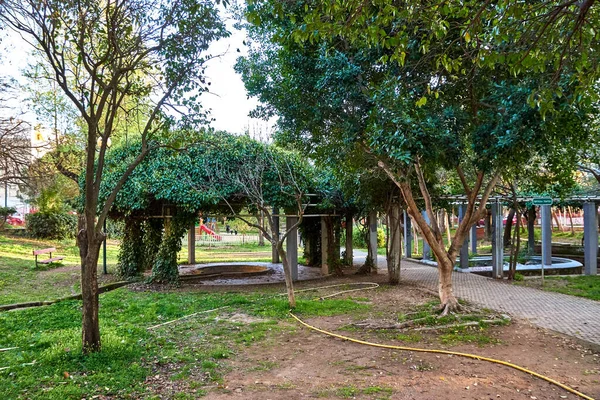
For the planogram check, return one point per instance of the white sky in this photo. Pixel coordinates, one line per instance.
(227, 101)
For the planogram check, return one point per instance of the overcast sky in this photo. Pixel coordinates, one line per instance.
(228, 100)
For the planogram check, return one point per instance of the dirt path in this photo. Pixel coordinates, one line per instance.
(304, 364)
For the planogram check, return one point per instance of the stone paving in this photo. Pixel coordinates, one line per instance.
(574, 316)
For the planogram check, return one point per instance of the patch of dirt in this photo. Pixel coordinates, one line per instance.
(306, 364)
(240, 318)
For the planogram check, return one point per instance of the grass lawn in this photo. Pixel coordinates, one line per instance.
(581, 285)
(48, 363)
(21, 281)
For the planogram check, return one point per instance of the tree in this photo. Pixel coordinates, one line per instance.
(428, 108)
(547, 37)
(267, 179)
(101, 53)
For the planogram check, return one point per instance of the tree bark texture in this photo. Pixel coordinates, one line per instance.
(287, 272)
(431, 232)
(508, 227)
(89, 251)
(349, 245)
(394, 250)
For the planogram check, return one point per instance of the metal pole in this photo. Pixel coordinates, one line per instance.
(590, 237)
(373, 236)
(407, 236)
(104, 271)
(546, 212)
(497, 250)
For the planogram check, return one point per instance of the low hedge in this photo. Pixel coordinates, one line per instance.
(44, 225)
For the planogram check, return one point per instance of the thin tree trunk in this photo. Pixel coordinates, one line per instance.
(448, 235)
(394, 243)
(558, 224)
(261, 222)
(349, 245)
(508, 227)
(487, 223)
(570, 213)
(287, 272)
(89, 251)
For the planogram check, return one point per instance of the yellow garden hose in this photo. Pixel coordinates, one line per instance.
(454, 353)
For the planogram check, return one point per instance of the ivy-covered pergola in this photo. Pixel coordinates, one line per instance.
(220, 175)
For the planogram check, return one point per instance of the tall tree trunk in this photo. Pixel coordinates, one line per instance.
(531, 216)
(441, 215)
(394, 243)
(89, 251)
(349, 246)
(487, 223)
(508, 227)
(287, 273)
(446, 293)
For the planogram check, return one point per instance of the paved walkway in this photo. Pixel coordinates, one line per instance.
(574, 316)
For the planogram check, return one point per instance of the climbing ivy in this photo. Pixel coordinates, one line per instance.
(153, 233)
(165, 268)
(131, 253)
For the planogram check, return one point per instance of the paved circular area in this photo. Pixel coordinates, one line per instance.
(574, 316)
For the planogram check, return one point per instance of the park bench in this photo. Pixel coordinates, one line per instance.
(48, 260)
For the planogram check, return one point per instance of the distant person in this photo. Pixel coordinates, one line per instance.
(235, 232)
(227, 228)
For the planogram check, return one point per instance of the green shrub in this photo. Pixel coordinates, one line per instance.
(359, 238)
(519, 277)
(49, 225)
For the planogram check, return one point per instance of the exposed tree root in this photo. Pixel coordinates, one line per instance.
(388, 325)
(101, 289)
(452, 307)
(461, 325)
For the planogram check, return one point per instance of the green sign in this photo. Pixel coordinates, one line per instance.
(542, 201)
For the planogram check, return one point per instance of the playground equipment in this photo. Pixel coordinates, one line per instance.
(205, 229)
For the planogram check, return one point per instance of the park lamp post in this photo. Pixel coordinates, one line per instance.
(104, 270)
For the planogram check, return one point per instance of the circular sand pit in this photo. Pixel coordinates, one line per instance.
(227, 270)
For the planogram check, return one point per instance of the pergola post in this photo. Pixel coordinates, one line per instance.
(192, 244)
(407, 236)
(274, 252)
(530, 230)
(464, 250)
(292, 246)
(590, 237)
(373, 236)
(497, 248)
(546, 213)
(324, 247)
(426, 247)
